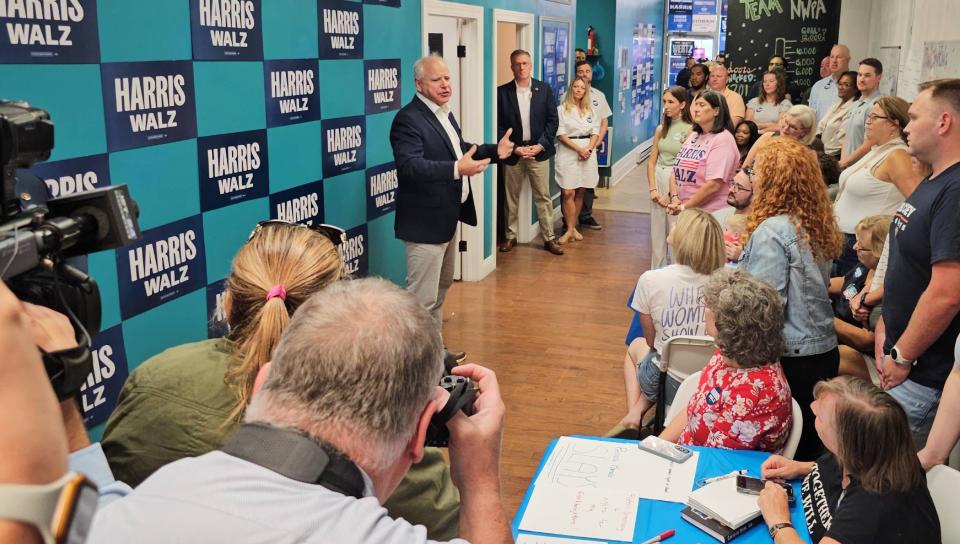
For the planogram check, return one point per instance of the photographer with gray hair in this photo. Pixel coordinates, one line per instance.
(339, 421)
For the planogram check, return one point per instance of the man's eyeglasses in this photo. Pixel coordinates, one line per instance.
(335, 234)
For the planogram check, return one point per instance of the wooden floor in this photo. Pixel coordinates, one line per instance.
(553, 329)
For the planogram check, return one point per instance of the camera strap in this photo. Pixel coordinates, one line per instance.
(295, 455)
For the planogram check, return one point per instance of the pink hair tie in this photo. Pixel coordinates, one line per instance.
(277, 291)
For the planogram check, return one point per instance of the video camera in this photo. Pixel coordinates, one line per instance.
(37, 240)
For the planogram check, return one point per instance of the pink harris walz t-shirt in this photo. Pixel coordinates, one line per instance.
(702, 157)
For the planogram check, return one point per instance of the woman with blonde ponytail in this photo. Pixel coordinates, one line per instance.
(185, 401)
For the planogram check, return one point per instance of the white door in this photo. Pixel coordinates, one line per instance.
(443, 38)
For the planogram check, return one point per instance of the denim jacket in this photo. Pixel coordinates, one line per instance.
(776, 254)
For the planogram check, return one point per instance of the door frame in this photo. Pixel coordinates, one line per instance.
(474, 266)
(528, 226)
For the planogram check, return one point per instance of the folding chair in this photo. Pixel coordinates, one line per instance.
(681, 356)
(943, 482)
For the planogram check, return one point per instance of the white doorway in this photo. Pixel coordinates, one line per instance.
(456, 32)
(512, 30)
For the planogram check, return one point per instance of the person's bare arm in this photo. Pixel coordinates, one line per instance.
(851, 335)
(756, 149)
(652, 164)
(898, 169)
(649, 331)
(857, 154)
(946, 426)
(33, 444)
(675, 428)
(934, 311)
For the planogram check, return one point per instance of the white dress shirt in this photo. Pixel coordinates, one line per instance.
(524, 95)
(443, 115)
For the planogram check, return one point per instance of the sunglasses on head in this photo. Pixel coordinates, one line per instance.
(335, 234)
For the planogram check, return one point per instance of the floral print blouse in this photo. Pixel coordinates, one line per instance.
(739, 408)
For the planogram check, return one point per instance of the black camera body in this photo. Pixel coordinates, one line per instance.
(37, 240)
(462, 395)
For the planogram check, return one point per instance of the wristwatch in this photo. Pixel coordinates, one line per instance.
(62, 510)
(899, 359)
(776, 528)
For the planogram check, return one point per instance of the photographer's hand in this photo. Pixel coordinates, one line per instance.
(52, 331)
(32, 442)
(475, 443)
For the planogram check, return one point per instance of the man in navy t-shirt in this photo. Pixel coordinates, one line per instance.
(922, 284)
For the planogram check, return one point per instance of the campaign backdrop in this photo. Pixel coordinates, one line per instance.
(217, 114)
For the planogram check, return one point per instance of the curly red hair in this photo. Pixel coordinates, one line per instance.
(788, 181)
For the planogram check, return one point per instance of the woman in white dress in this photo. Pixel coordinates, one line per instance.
(576, 164)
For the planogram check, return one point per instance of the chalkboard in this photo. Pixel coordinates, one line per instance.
(801, 31)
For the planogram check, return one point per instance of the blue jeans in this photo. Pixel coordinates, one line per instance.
(920, 402)
(648, 374)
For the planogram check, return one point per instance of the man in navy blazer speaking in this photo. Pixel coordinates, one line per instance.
(526, 108)
(434, 192)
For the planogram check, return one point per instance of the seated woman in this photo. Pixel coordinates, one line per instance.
(668, 302)
(856, 336)
(742, 400)
(798, 123)
(746, 134)
(868, 487)
(186, 400)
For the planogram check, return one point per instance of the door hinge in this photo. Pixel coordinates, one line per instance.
(463, 246)
(461, 51)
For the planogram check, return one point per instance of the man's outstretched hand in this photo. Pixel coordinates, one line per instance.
(505, 146)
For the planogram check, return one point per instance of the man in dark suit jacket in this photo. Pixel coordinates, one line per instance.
(433, 192)
(527, 107)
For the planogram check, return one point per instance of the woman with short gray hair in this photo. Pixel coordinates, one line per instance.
(742, 400)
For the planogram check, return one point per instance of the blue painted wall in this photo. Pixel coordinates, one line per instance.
(229, 98)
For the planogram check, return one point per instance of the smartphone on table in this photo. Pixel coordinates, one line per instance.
(753, 486)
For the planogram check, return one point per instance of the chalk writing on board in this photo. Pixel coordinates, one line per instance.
(755, 9)
(807, 9)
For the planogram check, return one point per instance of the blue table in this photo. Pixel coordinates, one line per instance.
(655, 517)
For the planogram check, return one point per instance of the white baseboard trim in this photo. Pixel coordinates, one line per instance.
(626, 163)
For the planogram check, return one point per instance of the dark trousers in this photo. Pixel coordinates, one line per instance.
(802, 374)
(586, 211)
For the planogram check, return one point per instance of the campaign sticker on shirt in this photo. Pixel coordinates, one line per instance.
(148, 103)
(226, 29)
(216, 311)
(98, 394)
(292, 91)
(382, 186)
(353, 252)
(714, 396)
(382, 85)
(55, 32)
(340, 28)
(303, 204)
(166, 263)
(343, 145)
(232, 168)
(73, 176)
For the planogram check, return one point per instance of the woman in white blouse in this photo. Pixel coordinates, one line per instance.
(576, 164)
(833, 126)
(880, 181)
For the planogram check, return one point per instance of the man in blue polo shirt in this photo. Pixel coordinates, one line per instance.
(921, 307)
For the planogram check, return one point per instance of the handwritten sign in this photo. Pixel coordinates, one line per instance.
(800, 31)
